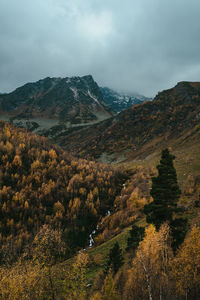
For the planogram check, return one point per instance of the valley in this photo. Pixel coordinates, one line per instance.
(76, 175)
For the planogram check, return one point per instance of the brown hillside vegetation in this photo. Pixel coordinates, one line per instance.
(171, 119)
(40, 184)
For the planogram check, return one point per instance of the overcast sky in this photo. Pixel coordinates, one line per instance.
(142, 46)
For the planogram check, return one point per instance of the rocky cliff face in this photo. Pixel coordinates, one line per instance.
(66, 102)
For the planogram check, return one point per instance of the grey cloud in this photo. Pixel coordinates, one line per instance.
(141, 45)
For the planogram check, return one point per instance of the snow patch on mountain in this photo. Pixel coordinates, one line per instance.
(75, 92)
(91, 96)
(121, 100)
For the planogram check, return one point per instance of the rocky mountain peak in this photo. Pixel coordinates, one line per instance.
(121, 100)
(70, 101)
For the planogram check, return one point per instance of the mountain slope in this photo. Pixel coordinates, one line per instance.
(171, 118)
(41, 184)
(121, 101)
(61, 102)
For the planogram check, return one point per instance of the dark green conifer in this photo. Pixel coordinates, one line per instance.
(179, 228)
(136, 236)
(165, 192)
(115, 260)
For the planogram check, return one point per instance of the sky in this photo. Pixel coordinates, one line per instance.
(142, 46)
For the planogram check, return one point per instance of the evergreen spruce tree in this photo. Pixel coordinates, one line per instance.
(179, 228)
(136, 236)
(115, 260)
(165, 192)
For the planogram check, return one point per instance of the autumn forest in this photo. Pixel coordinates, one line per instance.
(116, 218)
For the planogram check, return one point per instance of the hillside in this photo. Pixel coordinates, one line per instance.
(41, 184)
(62, 216)
(84, 275)
(55, 104)
(171, 119)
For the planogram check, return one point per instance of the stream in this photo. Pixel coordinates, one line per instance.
(108, 213)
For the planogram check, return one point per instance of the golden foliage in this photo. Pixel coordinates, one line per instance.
(186, 264)
(149, 275)
(40, 183)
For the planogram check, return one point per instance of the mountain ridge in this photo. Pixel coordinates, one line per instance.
(71, 101)
(143, 128)
(121, 100)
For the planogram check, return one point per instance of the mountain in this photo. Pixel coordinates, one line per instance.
(172, 118)
(119, 101)
(53, 204)
(55, 104)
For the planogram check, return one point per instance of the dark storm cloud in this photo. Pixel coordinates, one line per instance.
(140, 45)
